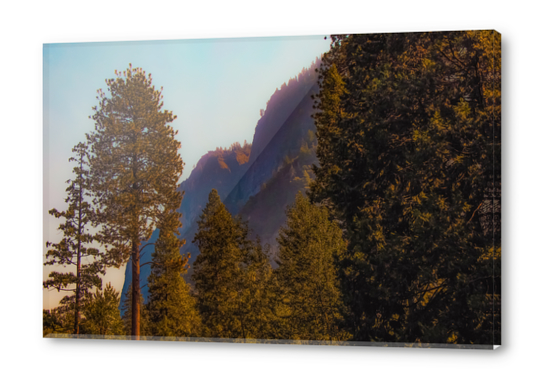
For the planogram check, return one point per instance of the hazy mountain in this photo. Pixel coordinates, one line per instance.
(280, 107)
(258, 180)
(286, 142)
(220, 169)
(265, 211)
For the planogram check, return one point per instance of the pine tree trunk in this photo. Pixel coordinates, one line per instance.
(135, 291)
(78, 287)
(79, 232)
(77, 295)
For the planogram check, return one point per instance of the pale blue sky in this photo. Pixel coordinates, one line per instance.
(216, 87)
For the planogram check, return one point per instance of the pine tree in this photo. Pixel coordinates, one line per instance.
(229, 274)
(257, 300)
(217, 269)
(101, 311)
(75, 249)
(135, 168)
(409, 148)
(309, 247)
(172, 308)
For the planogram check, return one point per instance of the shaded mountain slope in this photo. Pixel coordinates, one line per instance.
(280, 106)
(266, 210)
(287, 141)
(220, 169)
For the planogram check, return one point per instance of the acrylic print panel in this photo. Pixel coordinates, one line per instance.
(340, 190)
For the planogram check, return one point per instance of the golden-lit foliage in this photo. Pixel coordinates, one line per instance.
(231, 275)
(409, 149)
(171, 307)
(307, 283)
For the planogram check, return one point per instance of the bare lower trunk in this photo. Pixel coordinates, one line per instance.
(78, 291)
(136, 311)
(79, 232)
(77, 298)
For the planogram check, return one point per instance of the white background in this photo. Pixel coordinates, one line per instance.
(24, 27)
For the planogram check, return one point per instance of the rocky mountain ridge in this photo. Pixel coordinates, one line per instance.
(255, 181)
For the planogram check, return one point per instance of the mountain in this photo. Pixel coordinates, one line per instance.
(265, 211)
(256, 181)
(286, 142)
(220, 169)
(280, 106)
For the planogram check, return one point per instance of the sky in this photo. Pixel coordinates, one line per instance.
(215, 87)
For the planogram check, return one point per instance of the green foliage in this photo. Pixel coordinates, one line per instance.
(101, 311)
(135, 167)
(409, 148)
(74, 250)
(257, 298)
(172, 309)
(229, 275)
(55, 321)
(308, 285)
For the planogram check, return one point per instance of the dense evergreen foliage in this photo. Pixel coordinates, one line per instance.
(54, 321)
(409, 149)
(172, 309)
(310, 246)
(229, 275)
(220, 169)
(99, 315)
(101, 311)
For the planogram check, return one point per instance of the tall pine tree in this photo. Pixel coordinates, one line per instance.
(228, 275)
(135, 167)
(75, 249)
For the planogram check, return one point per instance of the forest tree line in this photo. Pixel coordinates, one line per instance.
(397, 238)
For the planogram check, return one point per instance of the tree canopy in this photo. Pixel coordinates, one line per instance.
(102, 315)
(172, 308)
(408, 129)
(228, 275)
(308, 286)
(135, 166)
